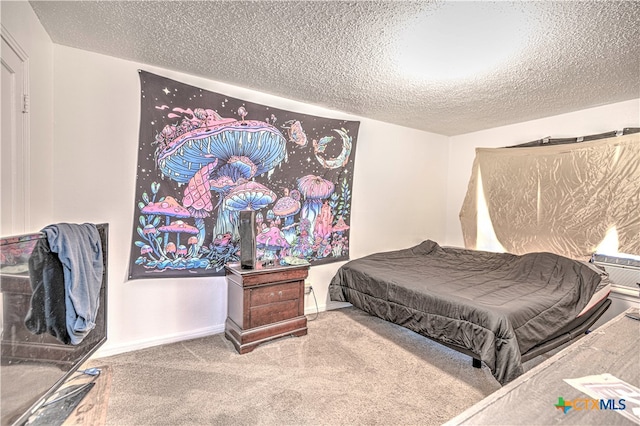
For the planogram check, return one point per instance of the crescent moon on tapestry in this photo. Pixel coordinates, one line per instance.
(339, 161)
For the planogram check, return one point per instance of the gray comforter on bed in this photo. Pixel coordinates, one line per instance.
(496, 305)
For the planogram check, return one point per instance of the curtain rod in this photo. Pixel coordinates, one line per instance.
(548, 141)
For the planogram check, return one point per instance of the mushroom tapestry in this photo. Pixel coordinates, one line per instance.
(203, 157)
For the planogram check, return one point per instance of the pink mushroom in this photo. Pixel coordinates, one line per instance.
(340, 226)
(193, 242)
(149, 229)
(170, 248)
(271, 240)
(286, 207)
(179, 227)
(168, 207)
(314, 189)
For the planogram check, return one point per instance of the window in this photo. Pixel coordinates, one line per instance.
(559, 197)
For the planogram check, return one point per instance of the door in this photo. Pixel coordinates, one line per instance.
(14, 155)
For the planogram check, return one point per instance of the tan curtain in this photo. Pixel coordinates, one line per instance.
(559, 198)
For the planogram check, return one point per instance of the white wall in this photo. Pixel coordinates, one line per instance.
(97, 104)
(580, 123)
(21, 24)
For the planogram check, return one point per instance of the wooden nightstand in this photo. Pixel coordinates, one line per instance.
(264, 304)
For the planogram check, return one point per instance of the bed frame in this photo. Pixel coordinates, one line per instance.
(577, 329)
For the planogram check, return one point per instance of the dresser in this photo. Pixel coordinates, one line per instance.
(264, 304)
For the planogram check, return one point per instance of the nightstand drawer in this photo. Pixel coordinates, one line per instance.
(274, 293)
(273, 312)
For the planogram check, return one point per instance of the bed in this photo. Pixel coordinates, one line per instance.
(501, 309)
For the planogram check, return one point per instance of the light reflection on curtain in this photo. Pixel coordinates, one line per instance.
(559, 198)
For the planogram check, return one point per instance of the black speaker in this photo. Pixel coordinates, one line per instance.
(247, 230)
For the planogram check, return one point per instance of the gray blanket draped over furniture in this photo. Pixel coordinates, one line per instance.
(498, 305)
(66, 274)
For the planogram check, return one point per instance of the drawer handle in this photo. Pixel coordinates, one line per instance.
(280, 293)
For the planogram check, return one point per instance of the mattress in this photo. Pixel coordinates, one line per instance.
(602, 292)
(496, 305)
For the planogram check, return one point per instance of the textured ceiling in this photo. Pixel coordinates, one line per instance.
(443, 67)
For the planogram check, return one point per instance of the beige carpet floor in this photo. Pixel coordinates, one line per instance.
(351, 369)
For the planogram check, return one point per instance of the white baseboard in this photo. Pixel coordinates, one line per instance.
(108, 350)
(311, 310)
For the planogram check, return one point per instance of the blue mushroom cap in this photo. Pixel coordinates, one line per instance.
(260, 142)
